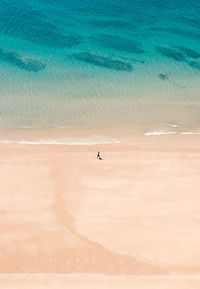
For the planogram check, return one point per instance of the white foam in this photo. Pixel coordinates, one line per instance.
(172, 125)
(189, 132)
(55, 142)
(42, 127)
(160, 132)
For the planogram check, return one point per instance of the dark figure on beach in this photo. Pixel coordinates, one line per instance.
(98, 156)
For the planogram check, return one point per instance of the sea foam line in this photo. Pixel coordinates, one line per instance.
(188, 132)
(160, 132)
(54, 142)
(172, 125)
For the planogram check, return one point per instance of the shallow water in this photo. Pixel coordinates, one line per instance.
(89, 64)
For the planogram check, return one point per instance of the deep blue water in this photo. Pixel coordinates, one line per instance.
(54, 52)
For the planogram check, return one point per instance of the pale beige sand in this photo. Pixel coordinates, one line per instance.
(96, 282)
(137, 212)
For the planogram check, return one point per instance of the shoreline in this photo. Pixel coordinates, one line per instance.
(89, 137)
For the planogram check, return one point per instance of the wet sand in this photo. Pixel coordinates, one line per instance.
(136, 213)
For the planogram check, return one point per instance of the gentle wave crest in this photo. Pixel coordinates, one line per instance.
(160, 132)
(157, 133)
(64, 142)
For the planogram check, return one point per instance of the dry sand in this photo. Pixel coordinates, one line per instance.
(107, 223)
(96, 282)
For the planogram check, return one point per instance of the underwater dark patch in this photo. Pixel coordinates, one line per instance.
(143, 18)
(140, 61)
(156, 29)
(163, 76)
(99, 8)
(15, 59)
(118, 24)
(188, 51)
(190, 21)
(183, 33)
(194, 64)
(117, 43)
(103, 61)
(29, 24)
(171, 53)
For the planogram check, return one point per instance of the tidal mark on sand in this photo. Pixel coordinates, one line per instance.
(15, 59)
(117, 43)
(103, 61)
(171, 53)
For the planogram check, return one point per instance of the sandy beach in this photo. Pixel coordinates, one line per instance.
(72, 221)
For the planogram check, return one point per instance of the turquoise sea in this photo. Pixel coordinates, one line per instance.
(95, 64)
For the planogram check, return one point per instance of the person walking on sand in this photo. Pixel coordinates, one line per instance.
(98, 156)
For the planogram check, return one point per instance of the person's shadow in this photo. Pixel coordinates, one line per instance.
(99, 157)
